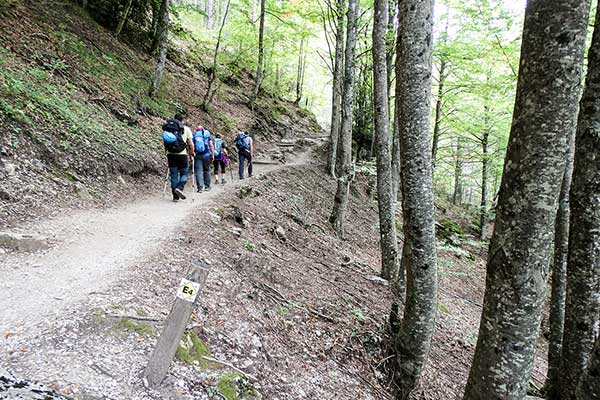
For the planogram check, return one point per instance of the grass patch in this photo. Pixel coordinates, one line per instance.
(141, 328)
(235, 386)
(191, 350)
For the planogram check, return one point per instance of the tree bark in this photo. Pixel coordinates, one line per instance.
(544, 114)
(385, 197)
(261, 52)
(163, 41)
(582, 307)
(124, 18)
(345, 172)
(210, 14)
(338, 72)
(396, 156)
(589, 384)
(559, 279)
(413, 100)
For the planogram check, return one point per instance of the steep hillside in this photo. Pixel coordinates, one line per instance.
(77, 120)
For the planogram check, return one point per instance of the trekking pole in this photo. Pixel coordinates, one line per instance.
(164, 192)
(193, 175)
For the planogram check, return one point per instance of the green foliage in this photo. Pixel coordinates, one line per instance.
(249, 246)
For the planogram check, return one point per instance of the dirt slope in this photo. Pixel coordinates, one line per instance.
(76, 116)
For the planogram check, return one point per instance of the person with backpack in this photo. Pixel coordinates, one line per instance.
(221, 158)
(177, 140)
(204, 149)
(245, 146)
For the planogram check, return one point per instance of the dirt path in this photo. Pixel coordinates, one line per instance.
(91, 250)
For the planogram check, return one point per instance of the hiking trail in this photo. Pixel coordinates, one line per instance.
(90, 250)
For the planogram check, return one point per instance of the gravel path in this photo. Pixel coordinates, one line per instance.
(91, 250)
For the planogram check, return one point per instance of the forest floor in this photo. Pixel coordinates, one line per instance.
(300, 312)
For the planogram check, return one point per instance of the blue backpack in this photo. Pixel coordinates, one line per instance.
(218, 147)
(201, 139)
(241, 142)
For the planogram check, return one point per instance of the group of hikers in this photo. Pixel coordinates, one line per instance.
(201, 149)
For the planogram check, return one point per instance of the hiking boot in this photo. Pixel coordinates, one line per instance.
(222, 181)
(179, 193)
(175, 199)
(207, 189)
(217, 182)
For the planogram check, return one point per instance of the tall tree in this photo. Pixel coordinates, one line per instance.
(345, 170)
(582, 307)
(559, 279)
(163, 41)
(301, 69)
(338, 73)
(261, 51)
(413, 94)
(211, 90)
(385, 197)
(544, 114)
(162, 27)
(124, 18)
(439, 98)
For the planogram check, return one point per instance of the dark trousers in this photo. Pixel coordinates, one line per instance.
(178, 170)
(202, 171)
(245, 157)
(219, 164)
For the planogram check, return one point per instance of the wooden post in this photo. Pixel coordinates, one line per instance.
(166, 347)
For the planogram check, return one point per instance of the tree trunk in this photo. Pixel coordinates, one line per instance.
(559, 280)
(385, 197)
(162, 27)
(124, 18)
(396, 156)
(163, 39)
(582, 307)
(210, 14)
(300, 72)
(457, 196)
(261, 52)
(345, 172)
(213, 74)
(485, 161)
(413, 100)
(589, 384)
(338, 71)
(438, 112)
(519, 251)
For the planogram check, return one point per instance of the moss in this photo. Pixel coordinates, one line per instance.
(191, 350)
(141, 328)
(235, 386)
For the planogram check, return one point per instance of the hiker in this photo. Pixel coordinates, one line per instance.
(221, 158)
(203, 158)
(177, 140)
(245, 146)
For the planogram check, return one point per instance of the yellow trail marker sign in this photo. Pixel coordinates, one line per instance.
(188, 290)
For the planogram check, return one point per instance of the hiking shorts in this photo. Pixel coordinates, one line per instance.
(217, 164)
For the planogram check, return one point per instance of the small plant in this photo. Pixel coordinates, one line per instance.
(249, 246)
(359, 315)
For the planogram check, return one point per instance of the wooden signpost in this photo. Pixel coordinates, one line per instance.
(166, 347)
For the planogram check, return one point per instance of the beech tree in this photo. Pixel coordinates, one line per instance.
(544, 114)
(385, 197)
(582, 307)
(589, 384)
(261, 51)
(413, 94)
(345, 170)
(163, 41)
(559, 279)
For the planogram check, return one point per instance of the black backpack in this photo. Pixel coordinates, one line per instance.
(175, 128)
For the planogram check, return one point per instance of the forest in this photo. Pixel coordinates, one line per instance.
(475, 118)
